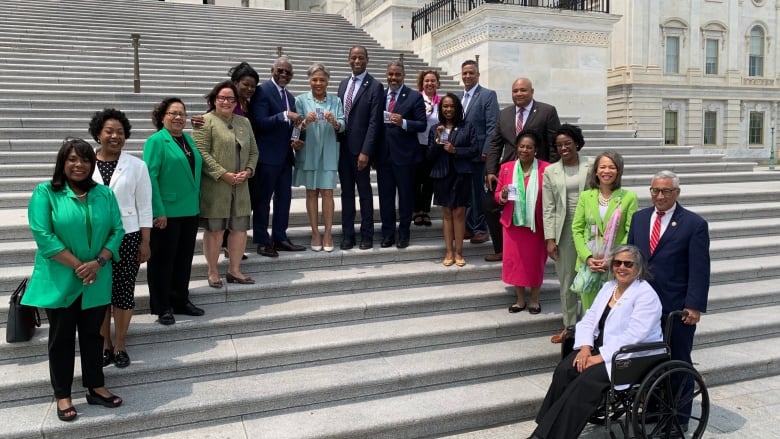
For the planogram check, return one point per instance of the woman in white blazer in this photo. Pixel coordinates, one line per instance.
(626, 311)
(128, 177)
(561, 186)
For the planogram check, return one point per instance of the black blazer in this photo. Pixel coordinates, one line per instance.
(364, 121)
(464, 138)
(400, 146)
(543, 118)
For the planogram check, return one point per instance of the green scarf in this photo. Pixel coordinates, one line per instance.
(525, 203)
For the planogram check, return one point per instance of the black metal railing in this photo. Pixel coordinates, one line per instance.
(440, 12)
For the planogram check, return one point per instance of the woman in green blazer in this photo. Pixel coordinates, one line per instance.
(174, 168)
(227, 144)
(594, 210)
(77, 227)
(563, 181)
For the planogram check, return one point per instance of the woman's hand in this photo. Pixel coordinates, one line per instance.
(297, 145)
(310, 117)
(593, 360)
(87, 272)
(581, 359)
(160, 222)
(505, 193)
(197, 121)
(449, 147)
(596, 265)
(332, 119)
(552, 249)
(144, 252)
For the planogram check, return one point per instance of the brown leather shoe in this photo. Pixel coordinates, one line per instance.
(497, 257)
(480, 237)
(468, 236)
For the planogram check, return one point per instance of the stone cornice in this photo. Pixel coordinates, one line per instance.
(515, 33)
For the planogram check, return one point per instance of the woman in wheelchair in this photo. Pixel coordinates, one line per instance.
(626, 311)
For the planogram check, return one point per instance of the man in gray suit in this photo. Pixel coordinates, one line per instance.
(480, 107)
(525, 114)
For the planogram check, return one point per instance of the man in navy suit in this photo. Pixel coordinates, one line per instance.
(404, 117)
(273, 117)
(363, 99)
(480, 107)
(676, 243)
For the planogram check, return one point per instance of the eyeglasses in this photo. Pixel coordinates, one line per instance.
(617, 262)
(284, 71)
(176, 114)
(564, 145)
(230, 99)
(666, 192)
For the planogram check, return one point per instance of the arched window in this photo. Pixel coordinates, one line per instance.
(756, 52)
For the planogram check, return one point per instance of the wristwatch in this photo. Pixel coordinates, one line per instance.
(101, 261)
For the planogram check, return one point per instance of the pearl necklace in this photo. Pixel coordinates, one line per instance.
(82, 195)
(604, 201)
(614, 294)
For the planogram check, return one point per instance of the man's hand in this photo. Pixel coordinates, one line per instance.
(362, 161)
(491, 181)
(692, 318)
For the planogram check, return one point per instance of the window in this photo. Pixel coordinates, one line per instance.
(670, 128)
(756, 128)
(672, 54)
(711, 57)
(756, 52)
(710, 127)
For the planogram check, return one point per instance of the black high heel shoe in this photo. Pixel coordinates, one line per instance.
(94, 398)
(234, 279)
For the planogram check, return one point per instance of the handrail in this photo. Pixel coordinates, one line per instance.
(440, 12)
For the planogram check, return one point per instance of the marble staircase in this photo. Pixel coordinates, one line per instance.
(384, 343)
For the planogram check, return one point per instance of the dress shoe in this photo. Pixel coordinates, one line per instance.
(402, 243)
(535, 309)
(111, 401)
(366, 243)
(480, 237)
(166, 318)
(235, 279)
(468, 235)
(267, 251)
(496, 257)
(189, 310)
(215, 284)
(121, 359)
(287, 246)
(108, 357)
(388, 242)
(460, 262)
(347, 243)
(448, 262)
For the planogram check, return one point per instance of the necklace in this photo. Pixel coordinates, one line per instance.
(183, 145)
(604, 201)
(320, 101)
(614, 294)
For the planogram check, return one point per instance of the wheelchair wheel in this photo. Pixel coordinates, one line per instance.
(662, 405)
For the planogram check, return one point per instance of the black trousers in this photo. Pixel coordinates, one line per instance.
(571, 399)
(63, 323)
(681, 345)
(169, 268)
(423, 184)
(493, 219)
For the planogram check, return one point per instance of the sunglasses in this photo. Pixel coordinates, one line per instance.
(617, 263)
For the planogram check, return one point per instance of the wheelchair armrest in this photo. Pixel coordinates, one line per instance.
(640, 347)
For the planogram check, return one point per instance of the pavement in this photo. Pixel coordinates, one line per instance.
(743, 410)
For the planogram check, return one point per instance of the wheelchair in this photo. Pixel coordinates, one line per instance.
(647, 396)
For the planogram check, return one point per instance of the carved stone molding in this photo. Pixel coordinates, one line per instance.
(515, 33)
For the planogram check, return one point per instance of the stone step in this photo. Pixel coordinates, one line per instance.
(315, 398)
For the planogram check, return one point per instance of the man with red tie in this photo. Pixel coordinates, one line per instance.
(676, 244)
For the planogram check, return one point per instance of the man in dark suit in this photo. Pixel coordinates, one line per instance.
(404, 117)
(525, 114)
(273, 117)
(363, 99)
(480, 107)
(676, 244)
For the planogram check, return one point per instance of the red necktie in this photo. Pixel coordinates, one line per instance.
(655, 235)
(391, 105)
(519, 125)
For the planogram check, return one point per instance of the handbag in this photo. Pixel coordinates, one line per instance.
(22, 319)
(587, 282)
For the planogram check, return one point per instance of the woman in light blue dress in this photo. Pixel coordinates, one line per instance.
(317, 153)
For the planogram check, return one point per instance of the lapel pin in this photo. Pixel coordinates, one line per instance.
(674, 223)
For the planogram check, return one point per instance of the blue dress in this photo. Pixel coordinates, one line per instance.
(316, 164)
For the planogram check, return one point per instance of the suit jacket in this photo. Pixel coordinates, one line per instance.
(482, 113)
(636, 318)
(217, 140)
(542, 118)
(272, 131)
(554, 196)
(464, 138)
(505, 178)
(400, 145)
(175, 190)
(364, 121)
(587, 214)
(681, 262)
(133, 190)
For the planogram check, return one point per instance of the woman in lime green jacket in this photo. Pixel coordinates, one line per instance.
(77, 227)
